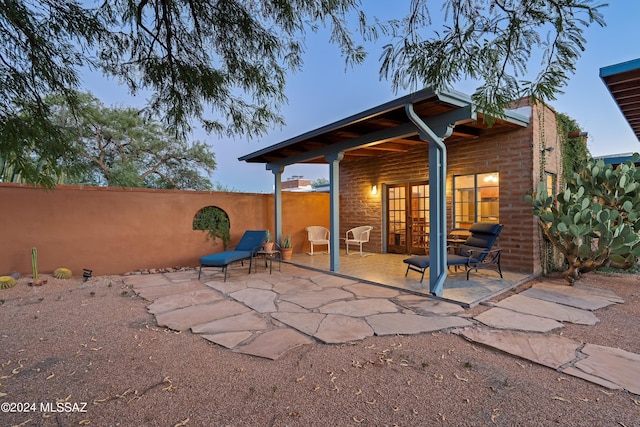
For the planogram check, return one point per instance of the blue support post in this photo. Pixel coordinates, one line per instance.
(438, 218)
(334, 207)
(277, 201)
(437, 198)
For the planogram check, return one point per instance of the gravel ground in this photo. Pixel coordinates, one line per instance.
(76, 353)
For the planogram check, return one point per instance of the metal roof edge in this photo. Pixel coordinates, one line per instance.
(622, 67)
(412, 97)
(616, 159)
(514, 117)
(607, 156)
(461, 99)
(449, 96)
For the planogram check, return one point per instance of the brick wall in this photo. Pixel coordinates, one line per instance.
(514, 154)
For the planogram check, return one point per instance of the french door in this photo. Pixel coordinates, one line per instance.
(408, 218)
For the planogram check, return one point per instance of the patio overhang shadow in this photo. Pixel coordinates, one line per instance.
(387, 270)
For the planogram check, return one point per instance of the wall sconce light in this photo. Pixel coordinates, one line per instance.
(374, 189)
(548, 149)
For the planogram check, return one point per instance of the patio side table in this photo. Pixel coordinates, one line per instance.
(269, 256)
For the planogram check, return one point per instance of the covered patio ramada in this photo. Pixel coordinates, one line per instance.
(417, 167)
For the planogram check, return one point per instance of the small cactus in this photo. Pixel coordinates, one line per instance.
(62, 273)
(34, 263)
(7, 282)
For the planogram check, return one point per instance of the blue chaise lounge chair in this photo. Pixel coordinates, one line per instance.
(249, 244)
(475, 253)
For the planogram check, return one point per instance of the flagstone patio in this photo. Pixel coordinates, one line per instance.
(267, 315)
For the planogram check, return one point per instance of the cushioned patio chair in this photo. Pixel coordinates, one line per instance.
(247, 247)
(474, 254)
(357, 236)
(318, 235)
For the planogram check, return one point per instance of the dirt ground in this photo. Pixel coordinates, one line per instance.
(88, 353)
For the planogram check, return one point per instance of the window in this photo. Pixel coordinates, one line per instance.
(550, 184)
(475, 199)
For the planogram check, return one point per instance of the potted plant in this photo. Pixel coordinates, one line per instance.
(268, 243)
(286, 248)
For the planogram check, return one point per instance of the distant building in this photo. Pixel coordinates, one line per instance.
(297, 183)
(322, 188)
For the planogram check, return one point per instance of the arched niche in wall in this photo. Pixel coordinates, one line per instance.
(215, 221)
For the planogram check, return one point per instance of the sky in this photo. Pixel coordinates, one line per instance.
(324, 91)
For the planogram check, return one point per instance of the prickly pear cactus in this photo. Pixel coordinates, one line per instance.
(62, 273)
(7, 282)
(595, 221)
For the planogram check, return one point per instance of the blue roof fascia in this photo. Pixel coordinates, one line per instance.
(413, 97)
(623, 67)
(615, 159)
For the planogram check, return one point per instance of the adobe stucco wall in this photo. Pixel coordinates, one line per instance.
(114, 230)
(515, 155)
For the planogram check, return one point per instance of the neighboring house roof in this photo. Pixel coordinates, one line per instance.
(616, 159)
(623, 81)
(385, 128)
(322, 188)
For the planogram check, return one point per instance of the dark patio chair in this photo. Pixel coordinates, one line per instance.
(247, 247)
(474, 254)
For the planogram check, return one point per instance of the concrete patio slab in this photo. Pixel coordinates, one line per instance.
(337, 329)
(612, 364)
(273, 344)
(260, 300)
(552, 351)
(410, 324)
(228, 339)
(551, 310)
(328, 281)
(248, 321)
(360, 308)
(182, 300)
(506, 319)
(316, 299)
(567, 295)
(389, 270)
(307, 323)
(152, 293)
(184, 318)
(428, 306)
